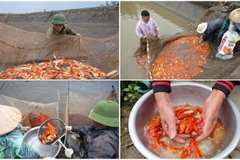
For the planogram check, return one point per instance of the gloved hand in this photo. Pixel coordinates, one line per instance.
(68, 152)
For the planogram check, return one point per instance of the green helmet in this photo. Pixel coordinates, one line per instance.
(106, 112)
(59, 19)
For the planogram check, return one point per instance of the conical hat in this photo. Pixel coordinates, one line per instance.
(10, 118)
(202, 27)
(235, 15)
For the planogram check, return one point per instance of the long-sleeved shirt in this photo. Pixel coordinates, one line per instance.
(212, 27)
(225, 86)
(150, 28)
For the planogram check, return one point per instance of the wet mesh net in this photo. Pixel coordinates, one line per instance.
(31, 110)
(79, 105)
(20, 47)
(183, 56)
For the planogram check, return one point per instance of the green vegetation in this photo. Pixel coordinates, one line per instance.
(131, 92)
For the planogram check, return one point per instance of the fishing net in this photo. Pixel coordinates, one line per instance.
(20, 47)
(184, 56)
(31, 110)
(79, 105)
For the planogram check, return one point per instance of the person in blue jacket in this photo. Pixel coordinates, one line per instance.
(100, 140)
(11, 138)
(209, 28)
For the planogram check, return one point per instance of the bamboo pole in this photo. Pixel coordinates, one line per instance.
(148, 56)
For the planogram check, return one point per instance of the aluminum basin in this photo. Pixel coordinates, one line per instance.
(194, 94)
(31, 138)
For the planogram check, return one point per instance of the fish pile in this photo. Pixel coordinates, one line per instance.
(53, 69)
(49, 135)
(182, 58)
(37, 121)
(190, 125)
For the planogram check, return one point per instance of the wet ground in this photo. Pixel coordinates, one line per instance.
(169, 24)
(128, 150)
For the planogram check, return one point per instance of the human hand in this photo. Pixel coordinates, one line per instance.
(26, 128)
(210, 113)
(200, 38)
(159, 37)
(167, 114)
(68, 152)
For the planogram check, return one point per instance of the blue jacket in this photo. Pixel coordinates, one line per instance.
(12, 146)
(99, 142)
(212, 27)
